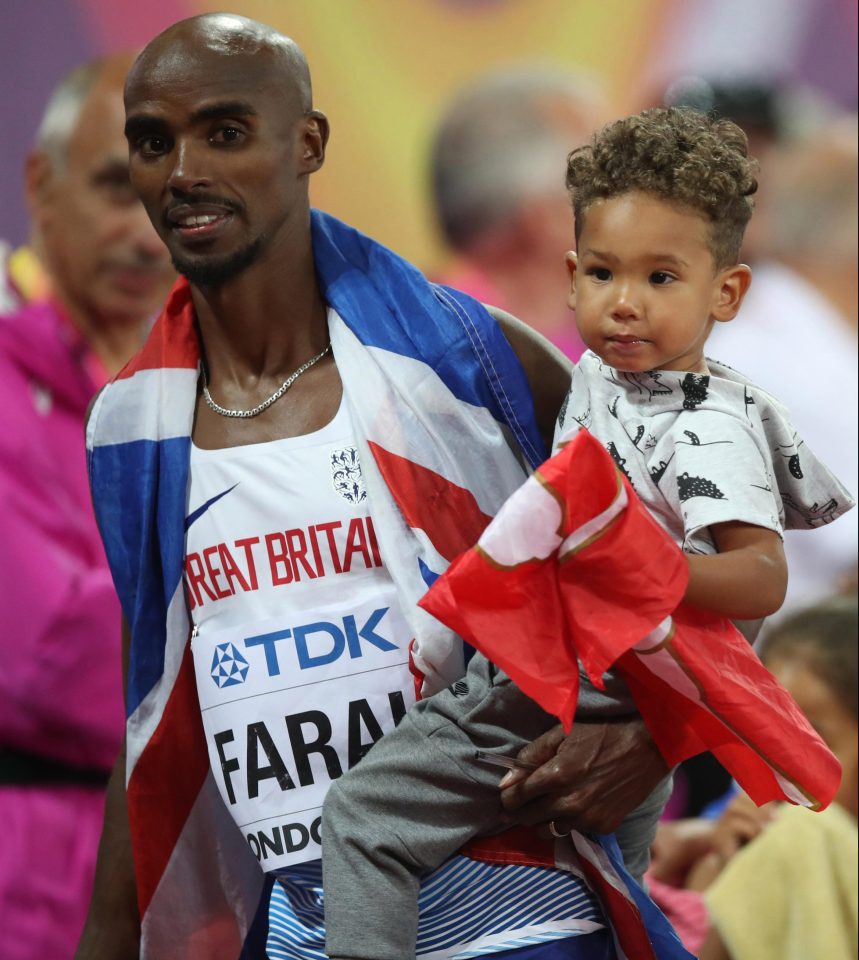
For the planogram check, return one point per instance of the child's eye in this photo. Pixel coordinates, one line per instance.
(600, 273)
(661, 277)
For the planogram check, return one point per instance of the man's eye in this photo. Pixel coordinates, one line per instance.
(152, 146)
(227, 135)
(661, 277)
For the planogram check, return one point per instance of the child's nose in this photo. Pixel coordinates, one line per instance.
(626, 305)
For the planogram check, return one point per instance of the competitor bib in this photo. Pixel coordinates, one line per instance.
(288, 706)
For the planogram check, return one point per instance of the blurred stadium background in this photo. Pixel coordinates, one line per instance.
(384, 69)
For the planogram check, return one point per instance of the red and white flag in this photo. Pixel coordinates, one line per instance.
(574, 570)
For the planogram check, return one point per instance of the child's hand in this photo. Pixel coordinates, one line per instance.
(741, 822)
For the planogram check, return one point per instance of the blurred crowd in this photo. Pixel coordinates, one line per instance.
(77, 301)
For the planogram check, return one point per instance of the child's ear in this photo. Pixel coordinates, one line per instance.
(732, 284)
(572, 261)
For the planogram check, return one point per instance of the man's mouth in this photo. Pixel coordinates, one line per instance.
(197, 222)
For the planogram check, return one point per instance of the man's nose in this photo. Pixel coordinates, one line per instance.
(188, 173)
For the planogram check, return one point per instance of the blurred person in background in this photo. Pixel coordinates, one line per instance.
(787, 887)
(94, 275)
(500, 200)
(793, 335)
(799, 317)
(780, 883)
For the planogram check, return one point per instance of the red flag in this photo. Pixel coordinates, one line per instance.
(574, 570)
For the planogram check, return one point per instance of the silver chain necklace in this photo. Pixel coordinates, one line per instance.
(256, 411)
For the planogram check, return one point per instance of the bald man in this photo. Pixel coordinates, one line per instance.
(310, 435)
(106, 272)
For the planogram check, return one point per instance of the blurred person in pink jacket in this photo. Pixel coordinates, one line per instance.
(61, 714)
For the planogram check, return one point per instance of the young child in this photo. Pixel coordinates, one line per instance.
(661, 202)
(792, 891)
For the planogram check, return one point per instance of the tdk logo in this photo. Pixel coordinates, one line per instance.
(312, 645)
(229, 667)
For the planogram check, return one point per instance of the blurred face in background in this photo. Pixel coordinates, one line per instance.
(106, 264)
(836, 724)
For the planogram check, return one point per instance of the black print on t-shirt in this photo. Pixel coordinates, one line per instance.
(694, 387)
(620, 461)
(695, 441)
(655, 387)
(639, 433)
(562, 415)
(657, 472)
(688, 487)
(794, 466)
(817, 516)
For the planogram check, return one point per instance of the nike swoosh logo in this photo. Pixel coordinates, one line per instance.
(195, 516)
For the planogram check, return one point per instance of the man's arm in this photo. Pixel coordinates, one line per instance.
(112, 928)
(547, 369)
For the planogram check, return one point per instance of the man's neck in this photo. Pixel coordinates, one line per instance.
(265, 321)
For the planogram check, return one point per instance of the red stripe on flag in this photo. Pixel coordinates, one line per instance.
(447, 513)
(626, 921)
(520, 845)
(166, 781)
(740, 712)
(173, 342)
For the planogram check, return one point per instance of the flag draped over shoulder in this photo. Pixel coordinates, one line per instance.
(445, 427)
(573, 570)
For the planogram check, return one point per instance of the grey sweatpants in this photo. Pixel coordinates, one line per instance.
(420, 794)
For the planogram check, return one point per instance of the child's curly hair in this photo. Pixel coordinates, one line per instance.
(676, 154)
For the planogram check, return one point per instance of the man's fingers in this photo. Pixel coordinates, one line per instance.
(541, 785)
(544, 748)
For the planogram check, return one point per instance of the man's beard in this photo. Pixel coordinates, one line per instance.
(217, 270)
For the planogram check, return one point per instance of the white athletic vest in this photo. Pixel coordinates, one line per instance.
(300, 648)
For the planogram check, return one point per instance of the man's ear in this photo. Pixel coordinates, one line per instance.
(571, 259)
(313, 141)
(732, 284)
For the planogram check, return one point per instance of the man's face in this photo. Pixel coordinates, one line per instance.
(106, 263)
(219, 154)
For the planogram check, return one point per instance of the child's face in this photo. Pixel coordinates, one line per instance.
(644, 284)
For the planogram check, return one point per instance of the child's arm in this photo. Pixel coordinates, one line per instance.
(746, 579)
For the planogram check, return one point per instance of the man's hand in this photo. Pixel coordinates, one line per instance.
(587, 781)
